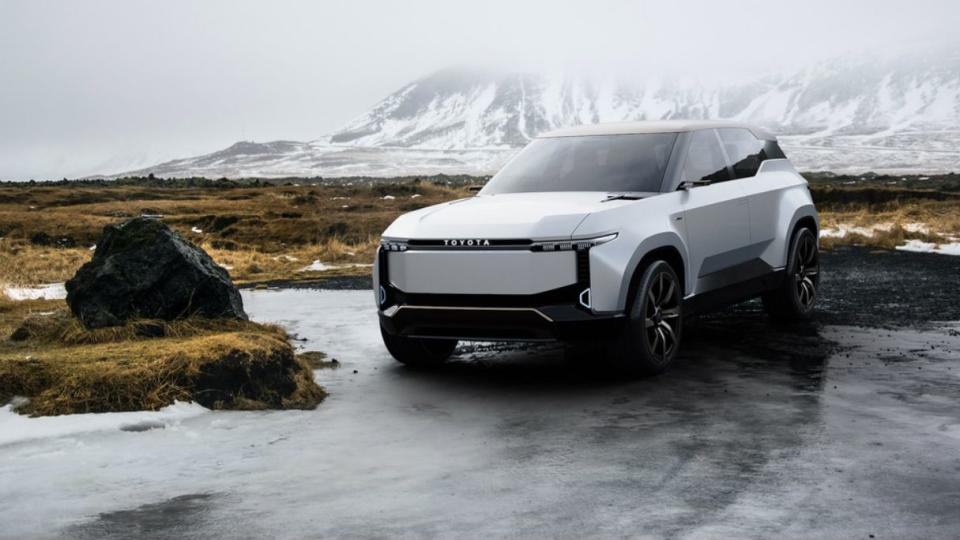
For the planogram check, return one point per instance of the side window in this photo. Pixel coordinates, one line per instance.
(773, 150)
(746, 152)
(704, 159)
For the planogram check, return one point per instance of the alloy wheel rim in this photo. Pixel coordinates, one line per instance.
(806, 271)
(661, 316)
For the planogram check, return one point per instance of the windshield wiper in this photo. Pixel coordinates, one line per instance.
(622, 197)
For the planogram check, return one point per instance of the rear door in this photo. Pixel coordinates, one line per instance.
(716, 215)
(746, 152)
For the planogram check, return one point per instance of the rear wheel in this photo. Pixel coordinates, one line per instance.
(794, 299)
(650, 340)
(420, 352)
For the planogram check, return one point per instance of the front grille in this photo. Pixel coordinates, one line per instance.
(567, 295)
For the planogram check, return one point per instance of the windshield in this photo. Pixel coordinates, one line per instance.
(606, 163)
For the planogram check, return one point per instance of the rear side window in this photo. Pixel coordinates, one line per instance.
(746, 152)
(704, 159)
(772, 150)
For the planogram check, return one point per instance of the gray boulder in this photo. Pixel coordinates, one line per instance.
(142, 269)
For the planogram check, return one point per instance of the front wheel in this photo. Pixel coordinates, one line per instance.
(794, 299)
(650, 340)
(418, 352)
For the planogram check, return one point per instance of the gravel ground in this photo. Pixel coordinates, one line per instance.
(888, 288)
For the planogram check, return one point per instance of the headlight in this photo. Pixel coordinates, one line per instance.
(572, 245)
(391, 244)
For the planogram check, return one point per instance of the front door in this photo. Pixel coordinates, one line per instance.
(717, 215)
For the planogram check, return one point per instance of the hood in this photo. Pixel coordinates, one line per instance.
(508, 215)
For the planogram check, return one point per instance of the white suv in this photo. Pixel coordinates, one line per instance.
(607, 234)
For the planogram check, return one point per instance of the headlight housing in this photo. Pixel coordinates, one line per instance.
(580, 244)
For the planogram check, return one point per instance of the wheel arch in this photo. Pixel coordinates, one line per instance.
(803, 217)
(805, 222)
(670, 253)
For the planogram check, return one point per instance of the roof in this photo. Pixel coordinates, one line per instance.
(654, 126)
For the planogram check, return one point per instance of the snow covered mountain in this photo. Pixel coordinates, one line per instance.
(457, 108)
(898, 114)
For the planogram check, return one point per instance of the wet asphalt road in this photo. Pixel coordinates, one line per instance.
(822, 430)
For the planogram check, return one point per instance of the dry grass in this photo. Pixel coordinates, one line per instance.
(145, 365)
(943, 217)
(898, 205)
(260, 233)
(26, 264)
(252, 266)
(893, 223)
(319, 360)
(884, 238)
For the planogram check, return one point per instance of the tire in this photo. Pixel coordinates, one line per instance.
(794, 299)
(418, 352)
(649, 342)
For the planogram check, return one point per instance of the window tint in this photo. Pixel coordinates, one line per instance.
(747, 152)
(704, 159)
(608, 163)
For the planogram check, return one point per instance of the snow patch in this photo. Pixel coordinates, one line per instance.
(319, 266)
(196, 230)
(844, 229)
(952, 248)
(52, 291)
(15, 428)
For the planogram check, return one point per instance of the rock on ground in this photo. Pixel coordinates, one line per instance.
(143, 269)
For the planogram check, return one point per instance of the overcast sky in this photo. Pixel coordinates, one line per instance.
(104, 86)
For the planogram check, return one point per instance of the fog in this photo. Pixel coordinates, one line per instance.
(104, 86)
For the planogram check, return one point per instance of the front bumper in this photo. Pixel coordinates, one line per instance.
(467, 318)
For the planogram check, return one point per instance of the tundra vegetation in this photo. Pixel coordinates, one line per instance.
(887, 211)
(48, 356)
(258, 231)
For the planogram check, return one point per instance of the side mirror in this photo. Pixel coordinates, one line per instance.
(687, 184)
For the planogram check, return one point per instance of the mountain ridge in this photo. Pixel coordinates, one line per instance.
(900, 114)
